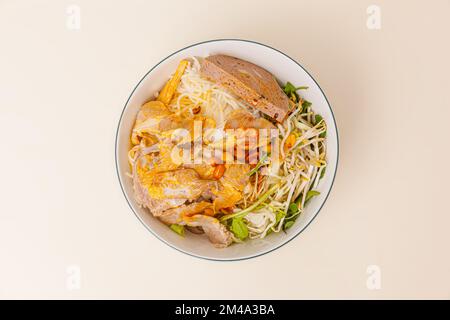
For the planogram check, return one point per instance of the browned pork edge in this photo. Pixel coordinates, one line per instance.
(250, 82)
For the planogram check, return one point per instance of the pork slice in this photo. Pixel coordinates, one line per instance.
(181, 183)
(240, 119)
(226, 196)
(216, 232)
(189, 215)
(148, 119)
(236, 175)
(159, 191)
(253, 84)
(231, 186)
(176, 215)
(156, 206)
(204, 170)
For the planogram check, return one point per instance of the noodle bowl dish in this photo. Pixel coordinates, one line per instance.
(227, 149)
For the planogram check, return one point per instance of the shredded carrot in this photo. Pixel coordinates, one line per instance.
(290, 141)
(219, 170)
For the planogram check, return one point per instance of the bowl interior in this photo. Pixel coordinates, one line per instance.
(284, 69)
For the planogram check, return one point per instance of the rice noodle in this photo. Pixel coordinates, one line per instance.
(215, 102)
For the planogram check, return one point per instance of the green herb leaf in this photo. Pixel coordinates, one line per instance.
(239, 228)
(293, 208)
(178, 229)
(288, 224)
(305, 104)
(310, 194)
(292, 214)
(291, 91)
(280, 214)
(317, 118)
(322, 174)
(298, 201)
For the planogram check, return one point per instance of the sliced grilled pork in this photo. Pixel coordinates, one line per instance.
(156, 206)
(250, 82)
(176, 215)
(217, 233)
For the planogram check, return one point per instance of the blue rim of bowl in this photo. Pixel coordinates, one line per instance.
(199, 256)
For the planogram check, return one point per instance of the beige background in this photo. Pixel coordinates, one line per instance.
(61, 95)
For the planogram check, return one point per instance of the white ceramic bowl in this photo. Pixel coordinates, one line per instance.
(285, 69)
